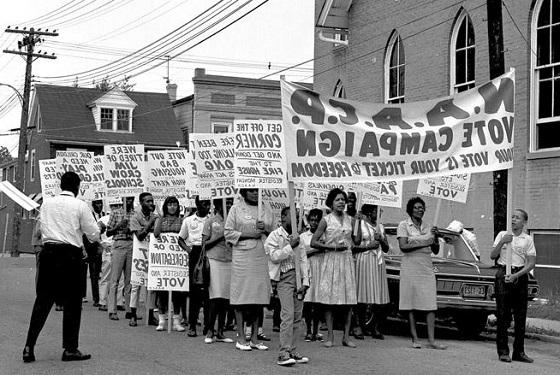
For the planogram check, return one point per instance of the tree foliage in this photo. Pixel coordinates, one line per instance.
(5, 154)
(106, 85)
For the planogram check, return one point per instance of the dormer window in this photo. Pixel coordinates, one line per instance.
(113, 111)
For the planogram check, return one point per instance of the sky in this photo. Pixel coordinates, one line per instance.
(102, 37)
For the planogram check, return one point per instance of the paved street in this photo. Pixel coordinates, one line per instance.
(119, 349)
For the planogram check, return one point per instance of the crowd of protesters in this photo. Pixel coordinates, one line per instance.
(328, 272)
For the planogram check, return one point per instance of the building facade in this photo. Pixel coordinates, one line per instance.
(404, 51)
(86, 119)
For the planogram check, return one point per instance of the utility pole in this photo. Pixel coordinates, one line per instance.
(497, 68)
(30, 39)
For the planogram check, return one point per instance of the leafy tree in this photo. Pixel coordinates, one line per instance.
(105, 84)
(5, 154)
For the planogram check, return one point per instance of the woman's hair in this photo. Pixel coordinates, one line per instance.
(412, 202)
(315, 212)
(333, 194)
(368, 209)
(243, 192)
(166, 202)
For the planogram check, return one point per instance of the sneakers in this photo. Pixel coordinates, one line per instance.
(209, 339)
(258, 346)
(285, 359)
(298, 357)
(222, 338)
(242, 347)
(308, 337)
(177, 324)
(161, 323)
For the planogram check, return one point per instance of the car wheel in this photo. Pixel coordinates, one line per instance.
(470, 324)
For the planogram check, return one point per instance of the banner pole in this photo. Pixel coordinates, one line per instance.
(436, 215)
(300, 220)
(509, 214)
(169, 312)
(147, 305)
(259, 206)
(224, 209)
(293, 219)
(358, 204)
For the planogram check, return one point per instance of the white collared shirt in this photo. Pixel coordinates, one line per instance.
(65, 219)
(191, 229)
(522, 246)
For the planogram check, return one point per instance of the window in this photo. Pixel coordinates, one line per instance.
(222, 98)
(394, 70)
(32, 166)
(260, 101)
(545, 64)
(339, 90)
(462, 51)
(123, 118)
(221, 127)
(106, 119)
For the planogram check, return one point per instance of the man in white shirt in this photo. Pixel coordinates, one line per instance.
(64, 219)
(511, 291)
(191, 232)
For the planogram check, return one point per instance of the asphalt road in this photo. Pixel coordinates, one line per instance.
(119, 349)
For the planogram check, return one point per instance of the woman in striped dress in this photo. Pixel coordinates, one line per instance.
(371, 276)
(337, 283)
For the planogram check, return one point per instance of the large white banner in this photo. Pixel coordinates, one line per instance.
(453, 187)
(124, 170)
(139, 269)
(168, 264)
(333, 139)
(50, 180)
(260, 156)
(214, 155)
(80, 162)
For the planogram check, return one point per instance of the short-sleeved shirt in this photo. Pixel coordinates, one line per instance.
(411, 231)
(191, 230)
(171, 224)
(139, 221)
(121, 234)
(214, 228)
(522, 246)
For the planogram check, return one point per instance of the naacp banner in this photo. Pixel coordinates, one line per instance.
(333, 139)
(452, 188)
(260, 157)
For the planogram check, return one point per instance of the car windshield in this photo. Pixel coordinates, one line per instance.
(454, 247)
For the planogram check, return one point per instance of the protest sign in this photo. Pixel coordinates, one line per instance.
(124, 170)
(168, 264)
(139, 270)
(80, 162)
(385, 193)
(276, 200)
(50, 180)
(167, 174)
(315, 193)
(452, 187)
(333, 139)
(98, 184)
(260, 157)
(214, 155)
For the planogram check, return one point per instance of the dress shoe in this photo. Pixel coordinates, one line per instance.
(378, 335)
(102, 307)
(152, 321)
(521, 357)
(113, 316)
(120, 308)
(133, 322)
(96, 304)
(348, 343)
(191, 333)
(505, 358)
(76, 355)
(28, 354)
(262, 337)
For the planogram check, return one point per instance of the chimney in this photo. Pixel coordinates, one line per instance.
(199, 72)
(172, 91)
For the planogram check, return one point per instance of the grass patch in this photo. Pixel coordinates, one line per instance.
(549, 310)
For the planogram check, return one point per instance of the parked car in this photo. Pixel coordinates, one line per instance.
(465, 285)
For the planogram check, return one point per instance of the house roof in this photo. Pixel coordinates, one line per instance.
(66, 117)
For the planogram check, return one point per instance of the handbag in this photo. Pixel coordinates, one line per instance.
(201, 272)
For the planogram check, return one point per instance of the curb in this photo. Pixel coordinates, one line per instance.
(528, 335)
